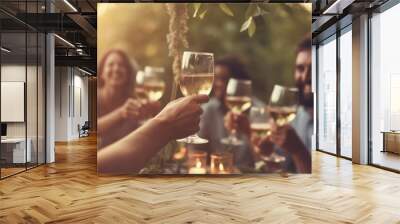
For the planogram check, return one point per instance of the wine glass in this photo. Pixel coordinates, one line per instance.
(238, 100)
(197, 76)
(282, 109)
(150, 84)
(259, 122)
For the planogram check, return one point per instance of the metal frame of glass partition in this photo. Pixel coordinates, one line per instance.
(39, 54)
(382, 8)
(338, 33)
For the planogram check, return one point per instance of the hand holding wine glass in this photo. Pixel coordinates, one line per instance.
(149, 88)
(150, 84)
(238, 122)
(196, 78)
(238, 100)
(182, 116)
(282, 109)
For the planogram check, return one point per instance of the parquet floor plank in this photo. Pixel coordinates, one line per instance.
(70, 191)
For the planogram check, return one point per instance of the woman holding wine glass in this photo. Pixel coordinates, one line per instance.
(119, 112)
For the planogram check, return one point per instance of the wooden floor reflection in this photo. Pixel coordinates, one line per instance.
(70, 191)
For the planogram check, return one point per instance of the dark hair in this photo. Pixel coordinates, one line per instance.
(304, 45)
(235, 66)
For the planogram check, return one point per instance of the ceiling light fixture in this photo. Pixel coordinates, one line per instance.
(71, 6)
(84, 71)
(337, 7)
(65, 41)
(5, 50)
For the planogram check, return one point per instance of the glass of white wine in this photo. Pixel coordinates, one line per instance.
(150, 84)
(282, 109)
(259, 122)
(238, 100)
(197, 77)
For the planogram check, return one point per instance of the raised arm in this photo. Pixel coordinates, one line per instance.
(131, 111)
(178, 119)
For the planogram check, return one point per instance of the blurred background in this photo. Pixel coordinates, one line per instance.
(140, 30)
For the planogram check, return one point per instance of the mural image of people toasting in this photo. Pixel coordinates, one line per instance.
(241, 106)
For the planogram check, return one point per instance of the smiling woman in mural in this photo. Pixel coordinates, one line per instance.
(119, 113)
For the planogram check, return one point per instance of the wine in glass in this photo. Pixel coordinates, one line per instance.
(282, 109)
(150, 84)
(259, 122)
(238, 100)
(197, 76)
(139, 91)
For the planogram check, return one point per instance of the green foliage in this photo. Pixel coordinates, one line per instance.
(140, 30)
(269, 54)
(225, 8)
(253, 10)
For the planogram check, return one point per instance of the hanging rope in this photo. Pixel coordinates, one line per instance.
(177, 38)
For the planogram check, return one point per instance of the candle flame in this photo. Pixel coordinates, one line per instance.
(198, 163)
(221, 167)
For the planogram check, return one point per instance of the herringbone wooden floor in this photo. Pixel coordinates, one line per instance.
(70, 191)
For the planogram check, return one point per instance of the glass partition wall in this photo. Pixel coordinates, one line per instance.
(327, 95)
(22, 88)
(334, 94)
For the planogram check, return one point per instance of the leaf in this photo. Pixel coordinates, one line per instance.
(252, 28)
(246, 24)
(225, 8)
(203, 14)
(251, 10)
(196, 7)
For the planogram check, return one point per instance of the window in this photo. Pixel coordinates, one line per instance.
(385, 88)
(346, 92)
(327, 95)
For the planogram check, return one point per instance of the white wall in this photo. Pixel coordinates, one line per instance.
(70, 84)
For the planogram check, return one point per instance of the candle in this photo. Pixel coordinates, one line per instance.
(181, 154)
(221, 163)
(198, 169)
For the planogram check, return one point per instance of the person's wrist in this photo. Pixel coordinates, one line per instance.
(162, 128)
(121, 112)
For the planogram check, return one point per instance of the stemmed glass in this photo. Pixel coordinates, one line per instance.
(259, 122)
(150, 84)
(282, 109)
(197, 77)
(238, 100)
